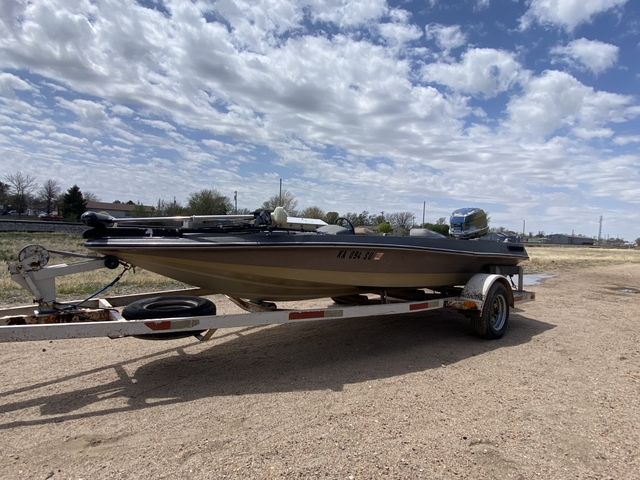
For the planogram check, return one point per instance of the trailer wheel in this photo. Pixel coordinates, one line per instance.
(176, 306)
(492, 322)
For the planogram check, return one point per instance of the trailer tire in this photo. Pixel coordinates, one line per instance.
(492, 322)
(175, 306)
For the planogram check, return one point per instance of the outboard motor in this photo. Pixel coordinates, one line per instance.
(467, 223)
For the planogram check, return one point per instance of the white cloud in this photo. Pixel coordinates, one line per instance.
(616, 177)
(9, 83)
(591, 54)
(255, 24)
(482, 71)
(68, 139)
(347, 13)
(556, 100)
(122, 110)
(167, 127)
(397, 33)
(626, 139)
(567, 14)
(446, 37)
(91, 114)
(326, 95)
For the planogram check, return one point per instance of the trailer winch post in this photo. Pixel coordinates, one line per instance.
(31, 273)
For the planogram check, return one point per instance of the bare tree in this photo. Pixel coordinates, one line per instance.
(22, 189)
(313, 212)
(169, 209)
(354, 218)
(287, 201)
(405, 220)
(90, 197)
(365, 218)
(49, 193)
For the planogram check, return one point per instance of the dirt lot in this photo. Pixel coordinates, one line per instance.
(404, 397)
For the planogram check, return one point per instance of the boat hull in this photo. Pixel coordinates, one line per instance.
(295, 267)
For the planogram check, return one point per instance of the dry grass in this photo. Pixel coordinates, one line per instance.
(547, 259)
(552, 259)
(76, 286)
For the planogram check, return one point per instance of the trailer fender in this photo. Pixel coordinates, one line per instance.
(475, 291)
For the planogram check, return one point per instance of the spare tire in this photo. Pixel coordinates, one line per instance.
(175, 306)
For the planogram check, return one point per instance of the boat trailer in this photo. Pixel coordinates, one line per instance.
(485, 299)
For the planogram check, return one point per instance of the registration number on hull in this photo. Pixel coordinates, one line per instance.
(359, 255)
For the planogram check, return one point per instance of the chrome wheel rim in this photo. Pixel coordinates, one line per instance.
(498, 312)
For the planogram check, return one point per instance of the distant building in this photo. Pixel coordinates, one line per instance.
(562, 239)
(501, 237)
(535, 240)
(117, 210)
(366, 231)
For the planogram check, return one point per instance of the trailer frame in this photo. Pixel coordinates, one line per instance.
(100, 317)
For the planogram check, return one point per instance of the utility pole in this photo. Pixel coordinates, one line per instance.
(424, 207)
(280, 192)
(235, 199)
(600, 231)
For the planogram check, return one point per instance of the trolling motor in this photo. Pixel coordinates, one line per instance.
(104, 225)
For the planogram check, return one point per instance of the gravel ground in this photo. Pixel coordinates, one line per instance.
(402, 397)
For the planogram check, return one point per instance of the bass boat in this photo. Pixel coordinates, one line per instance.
(272, 257)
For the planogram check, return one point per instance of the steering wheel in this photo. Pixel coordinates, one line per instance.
(353, 230)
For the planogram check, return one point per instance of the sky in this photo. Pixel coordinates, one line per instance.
(528, 109)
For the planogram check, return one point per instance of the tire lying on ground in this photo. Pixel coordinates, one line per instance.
(175, 306)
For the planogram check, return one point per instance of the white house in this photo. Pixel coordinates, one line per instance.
(117, 210)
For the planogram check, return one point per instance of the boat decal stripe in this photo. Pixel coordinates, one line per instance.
(315, 314)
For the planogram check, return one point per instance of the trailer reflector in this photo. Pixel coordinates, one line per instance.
(171, 324)
(316, 314)
(420, 306)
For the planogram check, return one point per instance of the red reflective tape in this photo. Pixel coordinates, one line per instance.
(159, 325)
(419, 306)
(303, 315)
